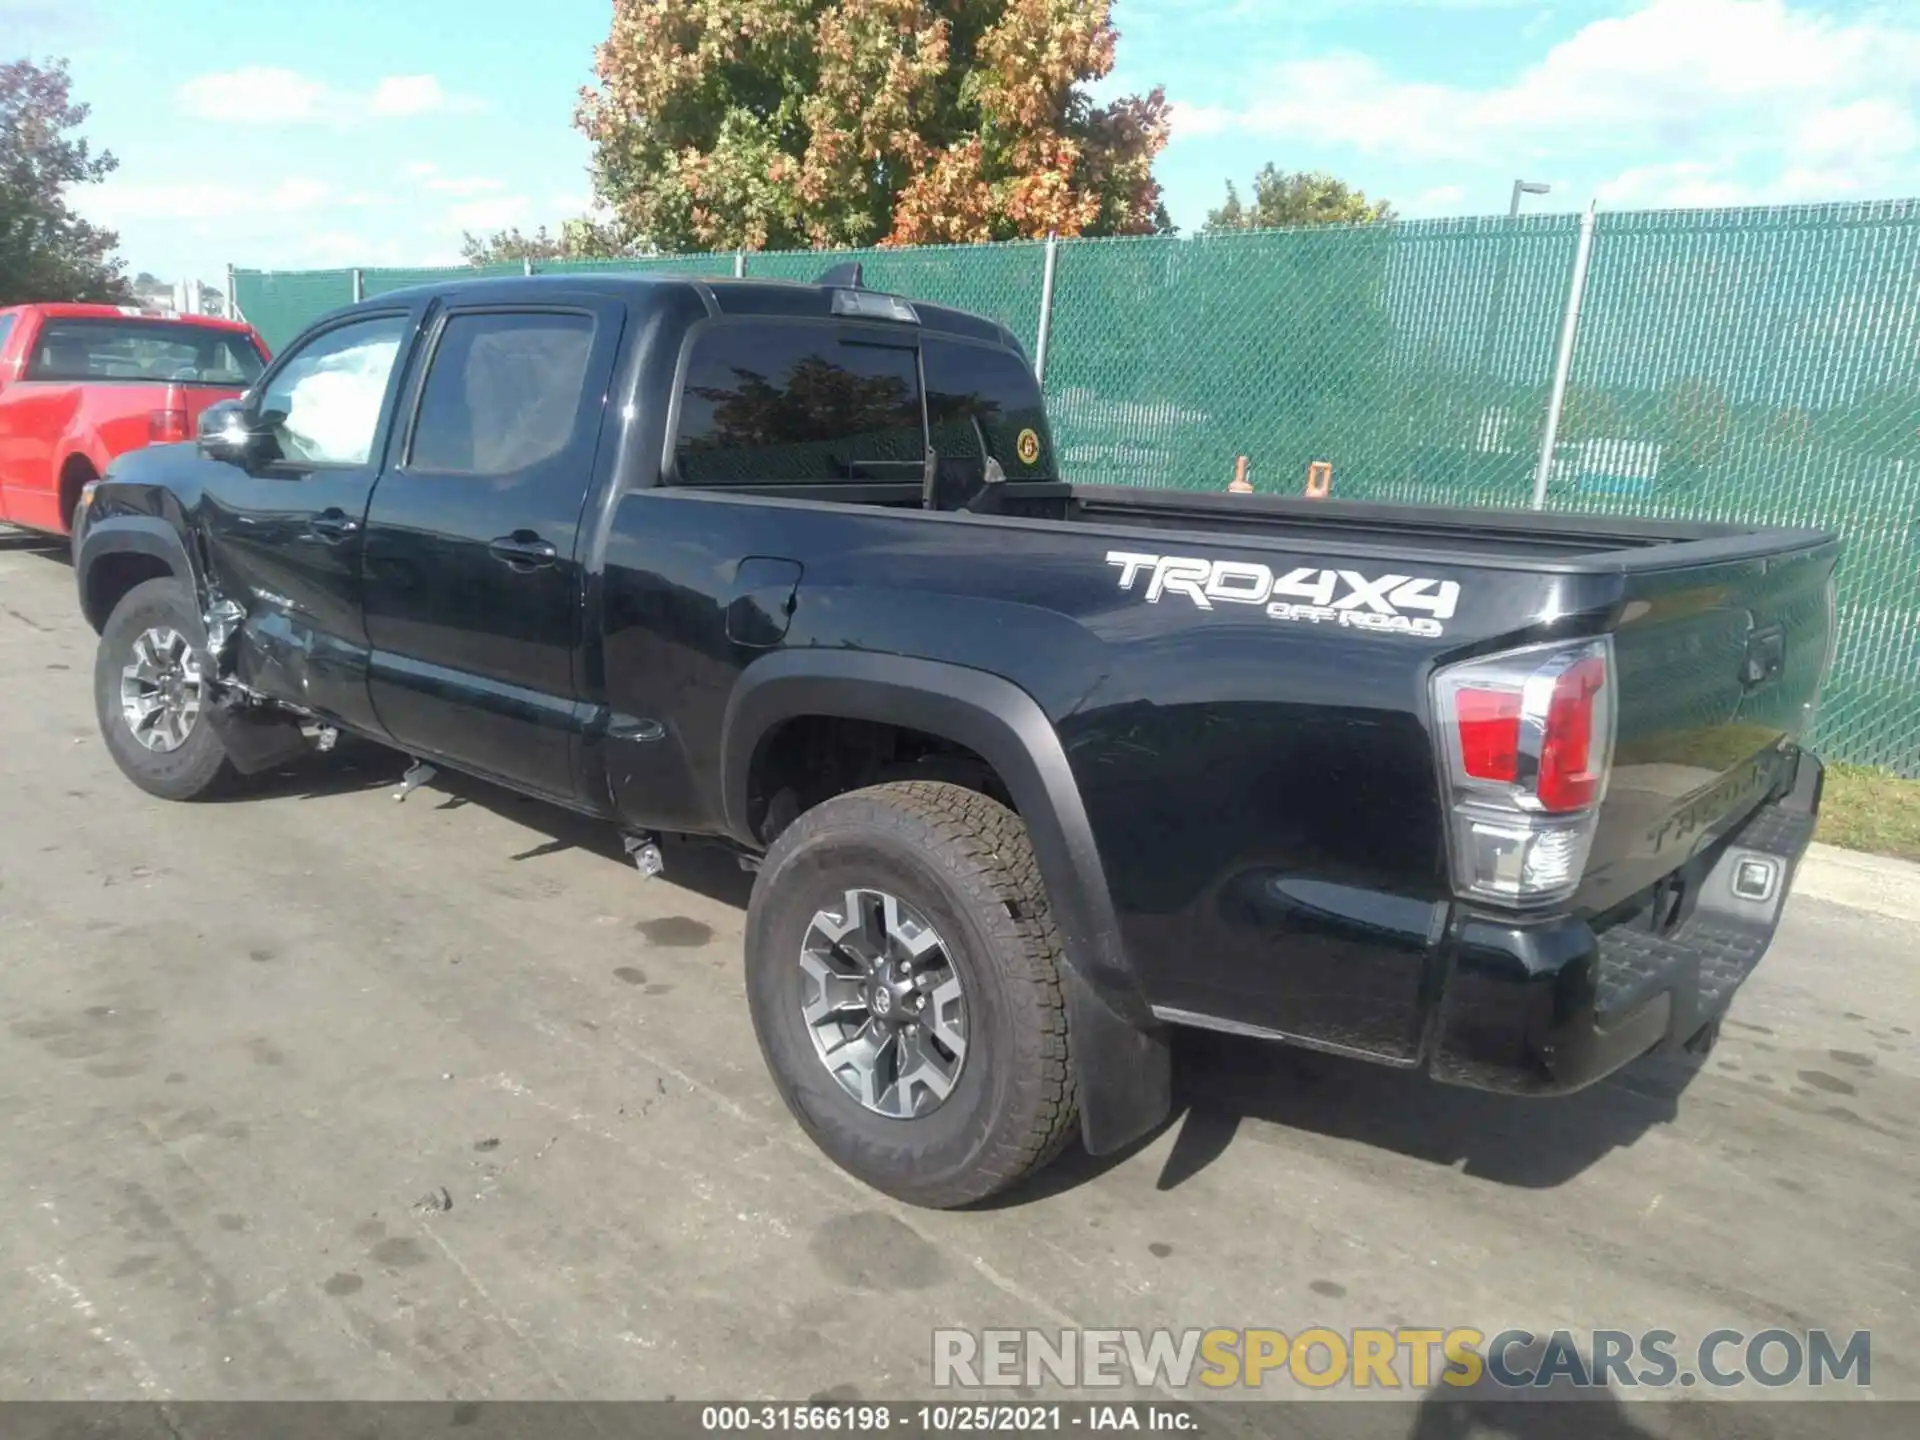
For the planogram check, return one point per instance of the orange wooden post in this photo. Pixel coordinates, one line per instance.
(1241, 485)
(1319, 480)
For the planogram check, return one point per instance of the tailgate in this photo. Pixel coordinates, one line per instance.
(1720, 668)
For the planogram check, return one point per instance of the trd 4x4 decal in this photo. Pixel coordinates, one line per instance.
(1309, 594)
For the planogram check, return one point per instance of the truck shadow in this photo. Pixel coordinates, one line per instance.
(355, 765)
(1221, 1082)
(32, 542)
(1555, 1388)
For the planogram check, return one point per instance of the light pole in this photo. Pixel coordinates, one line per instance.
(1502, 278)
(1525, 187)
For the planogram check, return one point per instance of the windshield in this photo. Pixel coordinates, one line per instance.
(102, 349)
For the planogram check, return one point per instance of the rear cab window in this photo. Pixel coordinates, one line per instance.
(980, 395)
(797, 403)
(154, 350)
(819, 403)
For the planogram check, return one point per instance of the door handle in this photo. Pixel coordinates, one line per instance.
(333, 525)
(523, 550)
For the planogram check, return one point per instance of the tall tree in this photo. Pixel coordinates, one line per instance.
(776, 124)
(46, 251)
(1310, 197)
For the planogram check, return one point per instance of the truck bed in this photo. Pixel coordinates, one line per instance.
(1479, 536)
(1485, 537)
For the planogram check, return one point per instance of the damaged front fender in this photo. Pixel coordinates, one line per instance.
(258, 732)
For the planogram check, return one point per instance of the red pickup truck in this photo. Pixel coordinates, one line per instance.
(80, 384)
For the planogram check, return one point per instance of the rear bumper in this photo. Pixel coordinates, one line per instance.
(1549, 1008)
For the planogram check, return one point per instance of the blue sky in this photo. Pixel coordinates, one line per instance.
(287, 135)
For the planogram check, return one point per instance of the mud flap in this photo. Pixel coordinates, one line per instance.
(256, 739)
(1125, 1074)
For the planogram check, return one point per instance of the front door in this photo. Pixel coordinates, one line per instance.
(284, 532)
(473, 572)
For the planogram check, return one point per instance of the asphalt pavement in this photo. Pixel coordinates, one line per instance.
(310, 1094)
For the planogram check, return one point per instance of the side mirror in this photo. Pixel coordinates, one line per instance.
(226, 433)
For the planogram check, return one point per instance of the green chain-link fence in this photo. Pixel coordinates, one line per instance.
(1758, 366)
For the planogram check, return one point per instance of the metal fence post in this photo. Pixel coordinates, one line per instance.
(739, 264)
(526, 265)
(233, 296)
(1563, 364)
(359, 285)
(1046, 308)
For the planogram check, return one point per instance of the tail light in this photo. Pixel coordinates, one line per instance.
(168, 425)
(1526, 742)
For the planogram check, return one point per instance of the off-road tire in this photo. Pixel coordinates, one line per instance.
(964, 861)
(199, 769)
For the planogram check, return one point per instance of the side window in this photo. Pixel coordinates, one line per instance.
(980, 395)
(504, 392)
(324, 403)
(773, 403)
(6, 330)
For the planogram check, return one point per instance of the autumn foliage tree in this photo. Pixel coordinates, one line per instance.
(778, 124)
(47, 252)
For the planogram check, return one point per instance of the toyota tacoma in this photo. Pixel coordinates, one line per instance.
(1030, 772)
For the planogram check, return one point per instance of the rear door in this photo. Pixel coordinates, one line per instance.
(472, 573)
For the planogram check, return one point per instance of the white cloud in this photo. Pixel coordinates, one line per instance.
(432, 178)
(1438, 199)
(114, 201)
(1190, 120)
(499, 213)
(1875, 128)
(407, 95)
(1816, 106)
(256, 94)
(269, 95)
(330, 249)
(465, 185)
(574, 204)
(339, 249)
(26, 21)
(1685, 183)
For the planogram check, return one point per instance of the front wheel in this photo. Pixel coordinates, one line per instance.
(151, 695)
(903, 972)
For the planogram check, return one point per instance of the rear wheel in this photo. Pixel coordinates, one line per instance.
(903, 974)
(151, 695)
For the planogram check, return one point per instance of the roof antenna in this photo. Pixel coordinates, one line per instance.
(847, 275)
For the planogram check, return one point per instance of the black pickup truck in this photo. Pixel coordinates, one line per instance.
(1029, 771)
